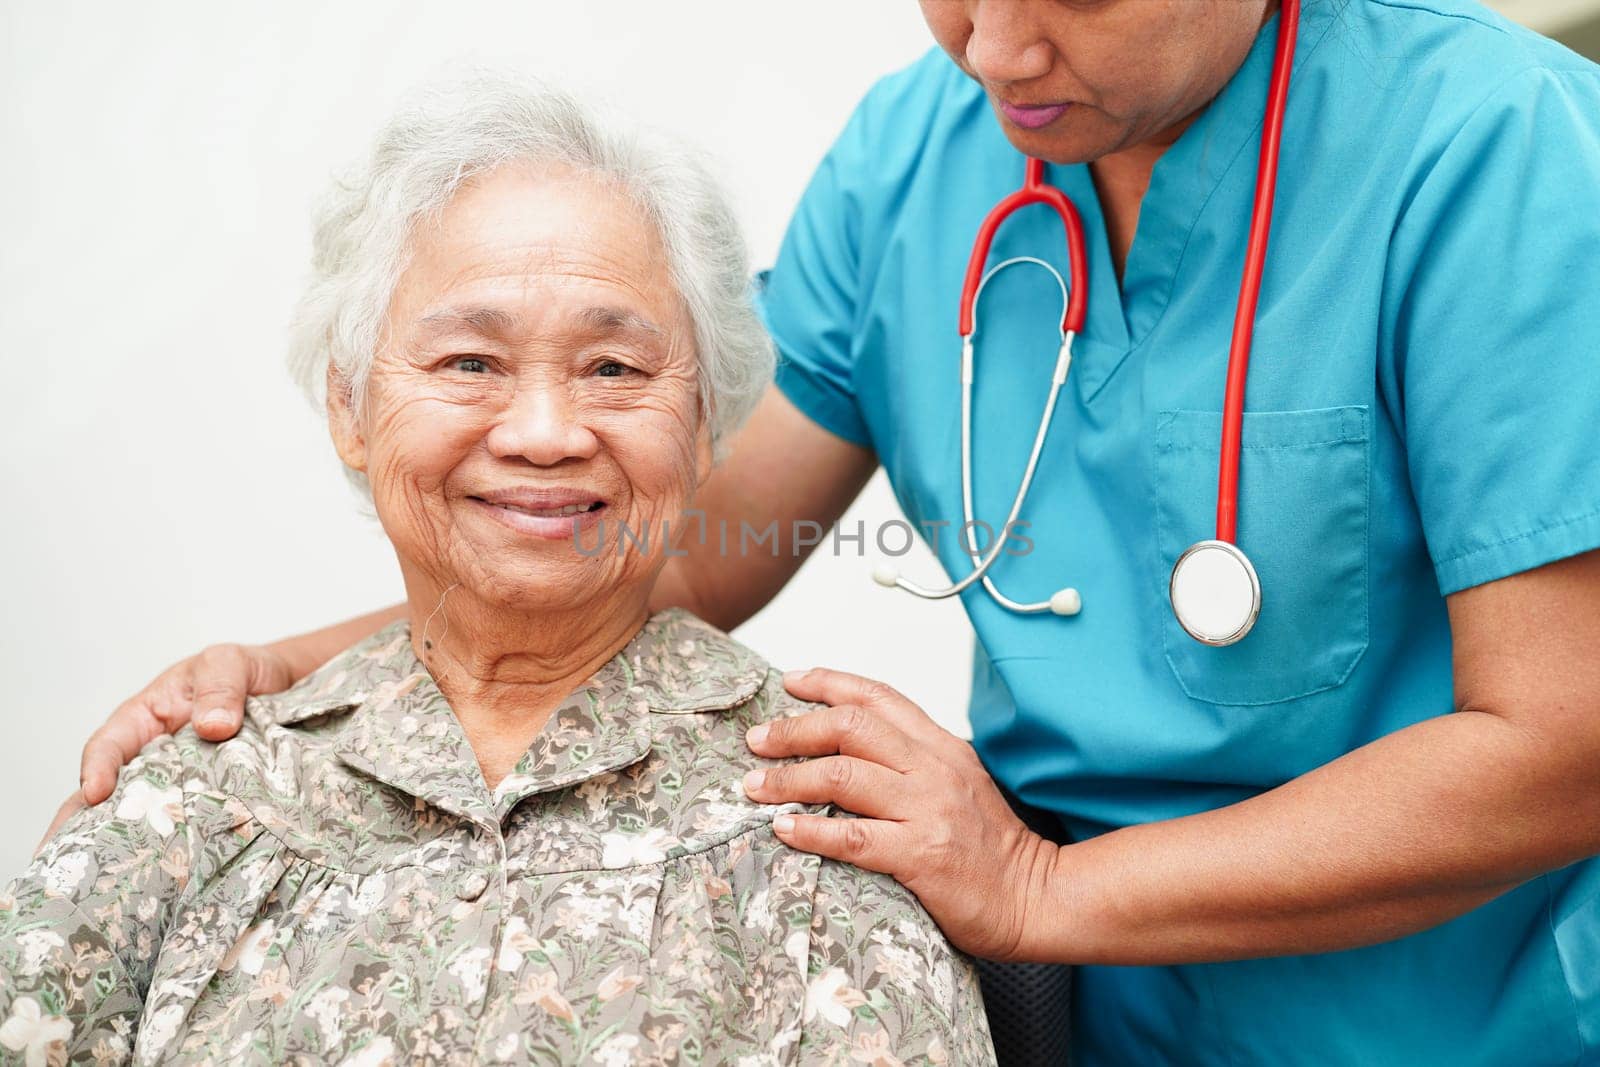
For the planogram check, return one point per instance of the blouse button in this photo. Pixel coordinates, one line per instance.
(472, 886)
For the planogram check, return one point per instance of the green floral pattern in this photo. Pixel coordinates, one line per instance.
(337, 885)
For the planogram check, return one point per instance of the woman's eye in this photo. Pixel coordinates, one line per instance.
(612, 369)
(471, 364)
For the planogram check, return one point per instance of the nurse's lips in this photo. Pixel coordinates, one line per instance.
(1031, 117)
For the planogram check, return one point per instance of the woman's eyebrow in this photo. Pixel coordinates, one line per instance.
(484, 321)
(606, 321)
(592, 321)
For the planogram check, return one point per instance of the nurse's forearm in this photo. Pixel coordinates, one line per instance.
(1398, 836)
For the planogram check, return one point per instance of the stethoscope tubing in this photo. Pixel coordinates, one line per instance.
(1035, 190)
(1255, 260)
(968, 375)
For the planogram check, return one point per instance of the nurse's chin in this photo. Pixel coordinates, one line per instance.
(1073, 138)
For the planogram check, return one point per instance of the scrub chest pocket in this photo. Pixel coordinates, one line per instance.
(1303, 523)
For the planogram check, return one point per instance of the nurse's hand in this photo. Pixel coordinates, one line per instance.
(214, 683)
(931, 815)
(209, 687)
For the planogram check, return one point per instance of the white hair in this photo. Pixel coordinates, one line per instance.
(447, 132)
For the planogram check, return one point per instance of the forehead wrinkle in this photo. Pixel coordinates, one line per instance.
(514, 291)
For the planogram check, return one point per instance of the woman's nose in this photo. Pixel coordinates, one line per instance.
(1006, 45)
(544, 425)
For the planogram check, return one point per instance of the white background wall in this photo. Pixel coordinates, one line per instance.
(162, 486)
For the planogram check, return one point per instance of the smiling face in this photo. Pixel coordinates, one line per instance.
(1074, 80)
(537, 374)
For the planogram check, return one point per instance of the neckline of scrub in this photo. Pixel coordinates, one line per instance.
(1225, 136)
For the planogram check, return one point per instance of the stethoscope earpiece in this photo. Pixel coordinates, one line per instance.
(1066, 602)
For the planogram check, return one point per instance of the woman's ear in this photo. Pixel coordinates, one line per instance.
(343, 425)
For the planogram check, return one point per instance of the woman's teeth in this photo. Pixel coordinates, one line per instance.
(552, 513)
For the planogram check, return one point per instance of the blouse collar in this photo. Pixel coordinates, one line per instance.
(397, 727)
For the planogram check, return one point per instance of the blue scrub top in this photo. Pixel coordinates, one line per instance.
(1421, 417)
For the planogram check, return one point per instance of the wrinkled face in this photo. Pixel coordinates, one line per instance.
(535, 388)
(1074, 80)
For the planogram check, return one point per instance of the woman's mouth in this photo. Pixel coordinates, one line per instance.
(1032, 117)
(541, 515)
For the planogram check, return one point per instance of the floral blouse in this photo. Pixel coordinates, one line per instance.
(338, 885)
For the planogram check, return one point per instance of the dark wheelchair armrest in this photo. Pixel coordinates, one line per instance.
(1029, 1004)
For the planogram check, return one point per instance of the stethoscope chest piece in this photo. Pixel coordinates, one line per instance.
(1215, 593)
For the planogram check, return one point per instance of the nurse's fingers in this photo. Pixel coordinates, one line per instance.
(210, 688)
(826, 686)
(872, 844)
(849, 730)
(853, 784)
(221, 676)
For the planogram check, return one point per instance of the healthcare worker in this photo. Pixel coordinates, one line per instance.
(1361, 833)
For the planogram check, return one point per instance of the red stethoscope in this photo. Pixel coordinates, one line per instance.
(1214, 589)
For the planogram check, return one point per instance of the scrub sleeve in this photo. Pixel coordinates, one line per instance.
(1496, 332)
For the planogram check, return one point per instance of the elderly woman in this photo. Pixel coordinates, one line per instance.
(510, 827)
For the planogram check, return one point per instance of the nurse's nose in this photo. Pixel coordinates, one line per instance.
(1006, 44)
(543, 425)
